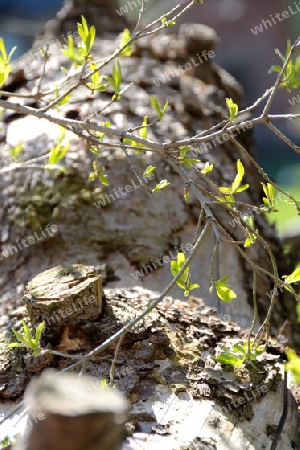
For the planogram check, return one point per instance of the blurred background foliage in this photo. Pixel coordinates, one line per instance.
(247, 56)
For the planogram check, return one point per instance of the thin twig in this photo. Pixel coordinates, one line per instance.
(113, 364)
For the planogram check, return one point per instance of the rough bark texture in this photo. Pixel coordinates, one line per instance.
(180, 397)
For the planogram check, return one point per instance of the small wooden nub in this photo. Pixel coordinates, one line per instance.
(68, 412)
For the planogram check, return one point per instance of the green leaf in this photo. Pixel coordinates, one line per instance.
(232, 108)
(100, 135)
(96, 84)
(184, 281)
(103, 178)
(167, 23)
(98, 173)
(39, 330)
(238, 355)
(239, 177)
(251, 238)
(5, 67)
(241, 188)
(74, 54)
(207, 168)
(223, 290)
(16, 151)
(298, 311)
(188, 162)
(58, 152)
(115, 80)
(269, 191)
(103, 383)
(64, 100)
(293, 365)
(186, 194)
(87, 36)
(291, 77)
(162, 185)
(94, 150)
(148, 171)
(160, 112)
(227, 358)
(27, 340)
(225, 190)
(126, 36)
(294, 277)
(183, 151)
(143, 130)
(21, 338)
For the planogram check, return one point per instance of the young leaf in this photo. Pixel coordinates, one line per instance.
(269, 200)
(96, 84)
(27, 340)
(148, 171)
(294, 277)
(5, 67)
(223, 290)
(293, 365)
(162, 185)
(16, 151)
(115, 80)
(207, 168)
(186, 194)
(298, 311)
(238, 355)
(232, 108)
(156, 106)
(167, 23)
(143, 130)
(87, 36)
(74, 54)
(238, 179)
(251, 238)
(290, 78)
(125, 38)
(184, 281)
(58, 151)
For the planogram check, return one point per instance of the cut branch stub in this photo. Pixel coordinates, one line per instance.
(67, 412)
(64, 295)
